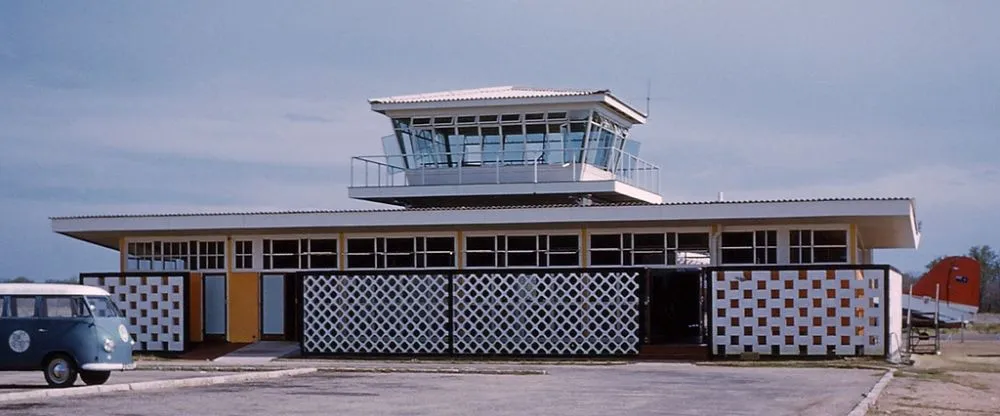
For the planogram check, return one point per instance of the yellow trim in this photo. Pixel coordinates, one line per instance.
(122, 254)
(459, 246)
(229, 254)
(583, 247)
(341, 249)
(229, 288)
(852, 243)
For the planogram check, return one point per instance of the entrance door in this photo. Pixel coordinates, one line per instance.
(675, 307)
(215, 306)
(272, 310)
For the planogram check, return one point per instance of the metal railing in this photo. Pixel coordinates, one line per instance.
(504, 166)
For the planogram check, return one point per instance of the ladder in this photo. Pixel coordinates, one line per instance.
(924, 340)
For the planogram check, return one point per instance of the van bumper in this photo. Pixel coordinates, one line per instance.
(107, 366)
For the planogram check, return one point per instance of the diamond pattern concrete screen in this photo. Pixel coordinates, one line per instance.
(484, 313)
(563, 313)
(375, 313)
(153, 306)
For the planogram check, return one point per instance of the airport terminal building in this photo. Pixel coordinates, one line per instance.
(517, 221)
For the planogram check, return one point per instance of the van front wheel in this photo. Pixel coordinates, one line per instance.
(60, 371)
(94, 377)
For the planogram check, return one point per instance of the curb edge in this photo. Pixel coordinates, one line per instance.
(151, 385)
(872, 395)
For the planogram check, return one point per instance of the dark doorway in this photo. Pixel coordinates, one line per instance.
(293, 311)
(676, 305)
(280, 317)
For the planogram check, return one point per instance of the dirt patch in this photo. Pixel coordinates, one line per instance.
(963, 380)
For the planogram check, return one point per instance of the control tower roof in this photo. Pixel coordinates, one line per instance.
(504, 96)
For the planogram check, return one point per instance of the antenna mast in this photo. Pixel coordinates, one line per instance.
(648, 88)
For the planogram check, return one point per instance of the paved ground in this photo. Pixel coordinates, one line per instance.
(31, 380)
(647, 388)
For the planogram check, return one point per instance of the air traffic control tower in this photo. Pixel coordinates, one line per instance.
(506, 146)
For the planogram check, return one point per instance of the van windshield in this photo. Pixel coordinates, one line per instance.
(103, 307)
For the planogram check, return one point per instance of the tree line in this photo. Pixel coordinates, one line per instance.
(22, 279)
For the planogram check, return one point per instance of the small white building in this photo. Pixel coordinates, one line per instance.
(518, 221)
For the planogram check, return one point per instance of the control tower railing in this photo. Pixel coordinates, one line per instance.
(502, 167)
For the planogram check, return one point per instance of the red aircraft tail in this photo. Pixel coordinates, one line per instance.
(958, 278)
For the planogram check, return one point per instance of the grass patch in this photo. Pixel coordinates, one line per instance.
(943, 376)
(977, 328)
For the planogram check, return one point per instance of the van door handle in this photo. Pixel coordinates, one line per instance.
(43, 330)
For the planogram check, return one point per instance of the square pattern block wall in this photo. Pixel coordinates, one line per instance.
(153, 306)
(798, 312)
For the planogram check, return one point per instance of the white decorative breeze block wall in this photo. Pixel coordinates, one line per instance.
(799, 312)
(539, 313)
(375, 313)
(571, 313)
(153, 306)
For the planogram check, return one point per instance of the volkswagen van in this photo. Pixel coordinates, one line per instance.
(66, 331)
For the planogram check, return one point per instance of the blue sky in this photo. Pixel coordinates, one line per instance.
(189, 106)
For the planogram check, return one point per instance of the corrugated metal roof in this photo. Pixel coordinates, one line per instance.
(503, 207)
(489, 93)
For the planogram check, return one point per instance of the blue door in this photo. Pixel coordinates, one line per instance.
(215, 305)
(272, 290)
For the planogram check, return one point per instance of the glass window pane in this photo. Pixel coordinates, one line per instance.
(737, 239)
(440, 244)
(62, 307)
(491, 144)
(830, 238)
(480, 259)
(399, 245)
(598, 241)
(692, 241)
(513, 144)
(737, 256)
(480, 243)
(522, 243)
(103, 307)
(830, 254)
(323, 261)
(564, 259)
(566, 243)
(606, 258)
(650, 258)
(23, 306)
(648, 241)
(360, 245)
(522, 259)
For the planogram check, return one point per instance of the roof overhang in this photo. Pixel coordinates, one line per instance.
(596, 97)
(882, 223)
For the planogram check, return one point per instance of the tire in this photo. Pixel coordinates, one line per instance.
(60, 371)
(93, 378)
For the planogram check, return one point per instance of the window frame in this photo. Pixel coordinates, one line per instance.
(158, 253)
(768, 245)
(812, 246)
(545, 255)
(629, 250)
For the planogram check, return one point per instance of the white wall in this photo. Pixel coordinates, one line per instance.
(895, 316)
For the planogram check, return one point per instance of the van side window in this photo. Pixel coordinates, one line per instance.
(63, 307)
(23, 306)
